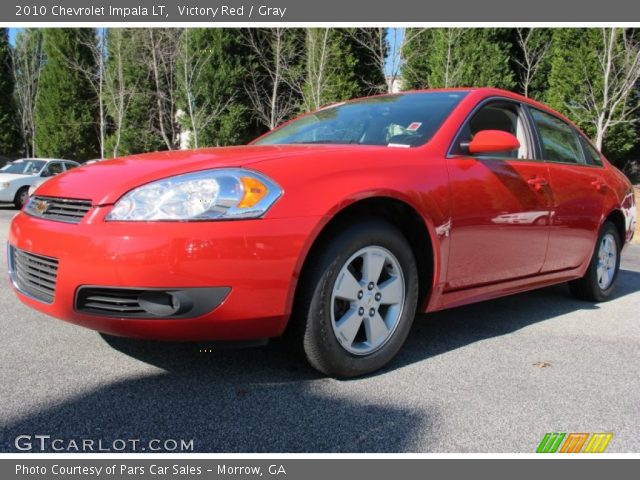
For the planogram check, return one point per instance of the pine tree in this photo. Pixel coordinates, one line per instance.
(27, 65)
(211, 87)
(367, 46)
(579, 65)
(65, 113)
(274, 66)
(458, 57)
(330, 69)
(131, 94)
(9, 135)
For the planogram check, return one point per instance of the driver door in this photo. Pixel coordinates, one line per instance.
(500, 203)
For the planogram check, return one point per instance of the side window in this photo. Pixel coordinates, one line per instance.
(53, 168)
(560, 142)
(591, 154)
(503, 116)
(69, 165)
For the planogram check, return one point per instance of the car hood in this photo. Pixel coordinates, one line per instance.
(105, 182)
(9, 177)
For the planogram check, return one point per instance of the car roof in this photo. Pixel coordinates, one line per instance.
(493, 91)
(498, 92)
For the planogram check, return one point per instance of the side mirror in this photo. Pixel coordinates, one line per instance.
(493, 141)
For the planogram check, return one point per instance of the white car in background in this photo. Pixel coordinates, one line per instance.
(17, 177)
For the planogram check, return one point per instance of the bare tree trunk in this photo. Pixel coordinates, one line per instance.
(101, 80)
(163, 46)
(317, 56)
(276, 79)
(608, 101)
(375, 42)
(534, 50)
(27, 65)
(95, 77)
(275, 57)
(118, 92)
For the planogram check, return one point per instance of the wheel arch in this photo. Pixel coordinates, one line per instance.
(399, 212)
(616, 217)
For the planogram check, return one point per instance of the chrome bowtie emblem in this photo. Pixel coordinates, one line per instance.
(40, 206)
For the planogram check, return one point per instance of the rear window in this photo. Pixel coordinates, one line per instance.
(404, 120)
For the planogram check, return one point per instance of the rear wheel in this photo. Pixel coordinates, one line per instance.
(357, 303)
(599, 281)
(22, 195)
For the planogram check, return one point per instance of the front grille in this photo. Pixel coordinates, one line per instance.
(34, 275)
(110, 302)
(69, 210)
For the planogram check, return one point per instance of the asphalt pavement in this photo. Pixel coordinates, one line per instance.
(491, 377)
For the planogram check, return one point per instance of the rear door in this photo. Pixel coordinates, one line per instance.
(577, 187)
(500, 204)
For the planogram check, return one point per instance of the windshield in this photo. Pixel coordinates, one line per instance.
(404, 120)
(24, 167)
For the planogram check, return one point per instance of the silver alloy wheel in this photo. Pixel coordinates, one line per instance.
(607, 260)
(367, 300)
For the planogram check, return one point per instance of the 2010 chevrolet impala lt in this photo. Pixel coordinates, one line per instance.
(333, 230)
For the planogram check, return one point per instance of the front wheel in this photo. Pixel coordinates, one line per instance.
(358, 301)
(21, 197)
(599, 280)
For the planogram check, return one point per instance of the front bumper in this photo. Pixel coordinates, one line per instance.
(259, 260)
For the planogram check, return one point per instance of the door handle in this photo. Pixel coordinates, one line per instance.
(599, 185)
(537, 183)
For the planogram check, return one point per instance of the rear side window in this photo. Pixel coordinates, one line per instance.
(70, 165)
(591, 154)
(560, 142)
(55, 168)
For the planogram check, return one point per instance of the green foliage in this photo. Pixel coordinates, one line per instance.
(329, 69)
(621, 141)
(212, 73)
(537, 59)
(275, 67)
(65, 112)
(210, 77)
(369, 78)
(575, 86)
(458, 57)
(28, 60)
(9, 135)
(131, 91)
(573, 57)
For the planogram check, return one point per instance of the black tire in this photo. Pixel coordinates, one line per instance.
(312, 328)
(587, 288)
(18, 200)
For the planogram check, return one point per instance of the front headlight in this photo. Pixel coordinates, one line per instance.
(219, 194)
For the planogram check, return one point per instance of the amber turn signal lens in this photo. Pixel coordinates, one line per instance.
(254, 191)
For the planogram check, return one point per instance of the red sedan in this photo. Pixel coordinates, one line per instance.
(334, 229)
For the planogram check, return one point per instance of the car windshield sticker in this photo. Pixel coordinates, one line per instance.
(414, 126)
